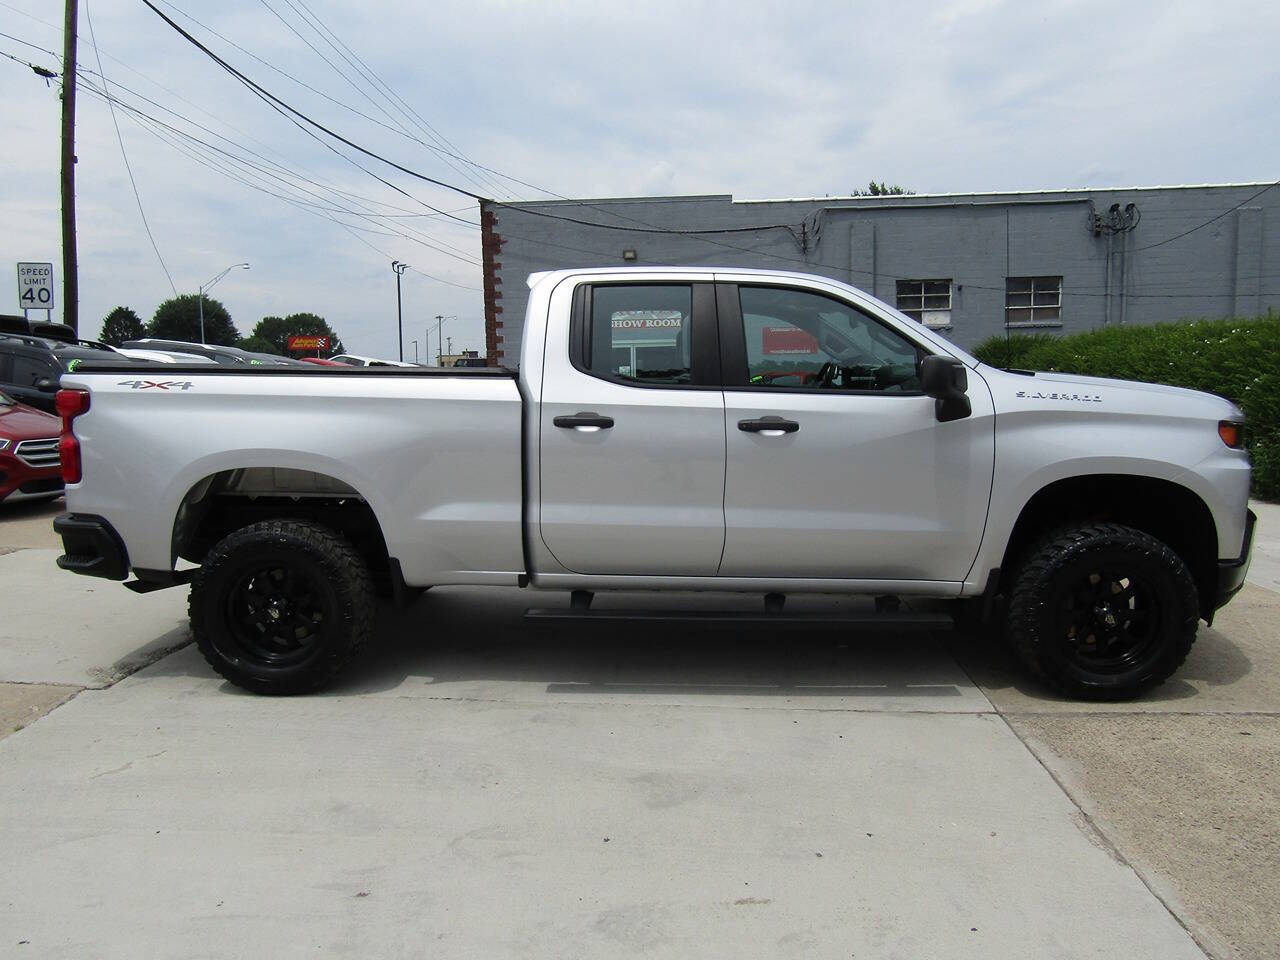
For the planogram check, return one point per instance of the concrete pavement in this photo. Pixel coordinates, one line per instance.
(473, 789)
(1186, 781)
(409, 813)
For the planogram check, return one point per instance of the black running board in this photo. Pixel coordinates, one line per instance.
(870, 620)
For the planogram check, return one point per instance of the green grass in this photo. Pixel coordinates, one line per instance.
(1238, 359)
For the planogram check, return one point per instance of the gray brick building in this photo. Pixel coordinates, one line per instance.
(970, 265)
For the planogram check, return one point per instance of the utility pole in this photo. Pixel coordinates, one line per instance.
(448, 346)
(70, 280)
(399, 269)
(440, 340)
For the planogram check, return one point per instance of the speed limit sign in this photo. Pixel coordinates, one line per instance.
(35, 286)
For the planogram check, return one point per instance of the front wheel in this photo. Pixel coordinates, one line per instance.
(1102, 612)
(280, 607)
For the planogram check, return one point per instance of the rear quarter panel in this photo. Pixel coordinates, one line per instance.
(437, 458)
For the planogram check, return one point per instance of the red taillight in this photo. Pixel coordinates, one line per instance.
(70, 404)
(1231, 434)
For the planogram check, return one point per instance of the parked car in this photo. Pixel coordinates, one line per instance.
(1093, 522)
(230, 356)
(321, 362)
(30, 366)
(29, 465)
(162, 356)
(355, 360)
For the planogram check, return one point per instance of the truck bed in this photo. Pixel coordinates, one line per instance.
(434, 452)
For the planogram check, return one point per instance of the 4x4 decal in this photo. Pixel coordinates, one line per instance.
(157, 384)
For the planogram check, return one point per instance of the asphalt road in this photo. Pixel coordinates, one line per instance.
(477, 789)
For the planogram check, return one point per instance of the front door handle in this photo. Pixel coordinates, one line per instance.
(769, 426)
(584, 422)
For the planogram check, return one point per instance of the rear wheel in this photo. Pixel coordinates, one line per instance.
(281, 607)
(1102, 612)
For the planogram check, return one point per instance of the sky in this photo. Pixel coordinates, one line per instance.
(574, 99)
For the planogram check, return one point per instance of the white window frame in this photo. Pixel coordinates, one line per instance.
(912, 302)
(1038, 313)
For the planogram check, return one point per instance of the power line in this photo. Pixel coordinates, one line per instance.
(346, 106)
(414, 269)
(333, 66)
(208, 161)
(414, 117)
(281, 105)
(365, 73)
(358, 198)
(44, 72)
(125, 156)
(1212, 220)
(27, 43)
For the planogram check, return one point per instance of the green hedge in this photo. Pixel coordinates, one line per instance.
(1236, 359)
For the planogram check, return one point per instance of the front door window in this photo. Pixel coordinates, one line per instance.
(797, 339)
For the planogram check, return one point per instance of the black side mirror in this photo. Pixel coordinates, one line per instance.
(946, 379)
(45, 385)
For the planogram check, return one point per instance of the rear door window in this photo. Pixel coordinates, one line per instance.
(643, 333)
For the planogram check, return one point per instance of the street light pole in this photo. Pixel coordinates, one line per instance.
(415, 351)
(439, 342)
(399, 269)
(204, 287)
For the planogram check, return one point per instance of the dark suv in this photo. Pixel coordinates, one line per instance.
(30, 366)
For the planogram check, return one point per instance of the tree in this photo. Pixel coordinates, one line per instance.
(256, 344)
(121, 324)
(179, 319)
(882, 190)
(278, 330)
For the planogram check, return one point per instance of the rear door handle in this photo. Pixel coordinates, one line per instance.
(769, 426)
(586, 422)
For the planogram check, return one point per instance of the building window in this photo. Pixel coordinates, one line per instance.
(1033, 301)
(926, 301)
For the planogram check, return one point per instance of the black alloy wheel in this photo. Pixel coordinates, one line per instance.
(1110, 620)
(277, 615)
(280, 607)
(1102, 611)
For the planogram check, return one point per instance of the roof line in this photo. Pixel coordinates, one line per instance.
(900, 197)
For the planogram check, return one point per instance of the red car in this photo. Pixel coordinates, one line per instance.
(29, 467)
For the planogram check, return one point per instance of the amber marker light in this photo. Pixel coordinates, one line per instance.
(1231, 434)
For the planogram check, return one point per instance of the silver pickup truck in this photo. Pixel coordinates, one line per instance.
(668, 429)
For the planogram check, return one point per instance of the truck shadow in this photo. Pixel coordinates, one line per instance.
(459, 639)
(1215, 662)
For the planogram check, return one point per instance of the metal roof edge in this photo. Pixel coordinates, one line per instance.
(900, 197)
(604, 200)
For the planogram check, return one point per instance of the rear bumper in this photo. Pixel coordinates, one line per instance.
(92, 546)
(1231, 573)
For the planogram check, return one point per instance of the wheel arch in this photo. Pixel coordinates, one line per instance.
(1165, 509)
(235, 497)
